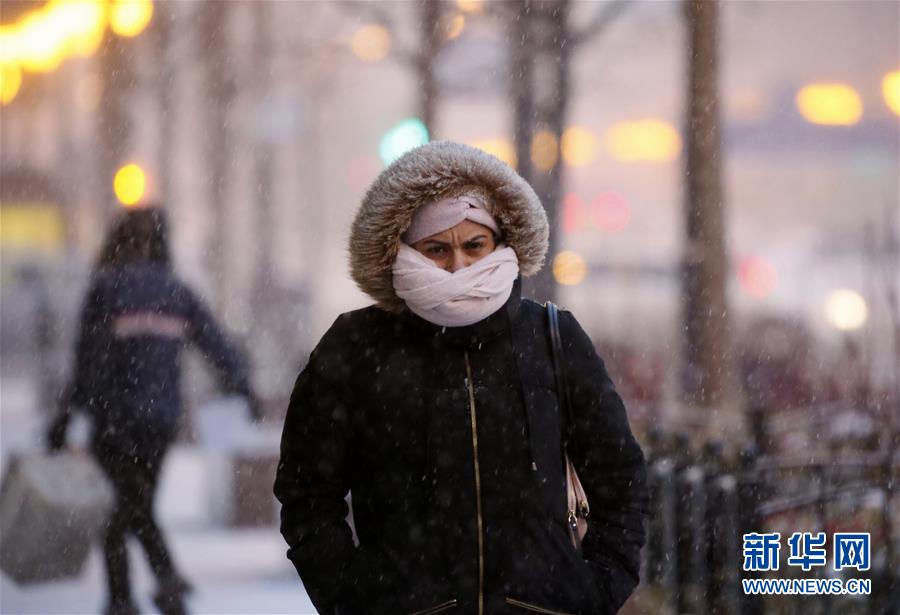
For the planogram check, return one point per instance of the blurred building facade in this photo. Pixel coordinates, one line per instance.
(259, 130)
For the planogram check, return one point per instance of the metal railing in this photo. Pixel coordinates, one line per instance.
(702, 507)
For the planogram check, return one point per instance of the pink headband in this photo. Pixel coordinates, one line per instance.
(440, 215)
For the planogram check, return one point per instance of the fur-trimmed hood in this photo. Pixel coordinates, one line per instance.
(427, 173)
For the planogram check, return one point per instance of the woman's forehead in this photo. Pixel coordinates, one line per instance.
(464, 231)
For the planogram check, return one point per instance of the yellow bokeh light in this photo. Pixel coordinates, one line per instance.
(890, 87)
(544, 150)
(129, 185)
(569, 268)
(38, 43)
(648, 140)
(846, 310)
(470, 6)
(371, 43)
(46, 36)
(831, 104)
(456, 26)
(31, 226)
(88, 20)
(579, 146)
(502, 149)
(130, 17)
(10, 82)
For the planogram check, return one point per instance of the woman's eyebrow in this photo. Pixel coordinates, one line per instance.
(475, 238)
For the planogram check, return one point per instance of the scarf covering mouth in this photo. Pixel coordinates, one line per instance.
(456, 299)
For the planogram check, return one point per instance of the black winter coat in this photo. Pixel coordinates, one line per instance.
(134, 323)
(448, 440)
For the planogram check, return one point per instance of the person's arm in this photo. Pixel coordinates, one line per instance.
(312, 480)
(228, 361)
(91, 346)
(611, 467)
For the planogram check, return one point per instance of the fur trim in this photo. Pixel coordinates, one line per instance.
(427, 173)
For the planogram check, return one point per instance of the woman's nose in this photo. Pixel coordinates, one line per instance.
(458, 261)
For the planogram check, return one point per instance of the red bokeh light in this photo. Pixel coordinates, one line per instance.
(611, 212)
(757, 276)
(574, 213)
(608, 212)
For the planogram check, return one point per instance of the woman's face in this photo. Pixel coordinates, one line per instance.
(459, 246)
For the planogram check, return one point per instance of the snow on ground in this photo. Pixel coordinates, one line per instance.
(234, 571)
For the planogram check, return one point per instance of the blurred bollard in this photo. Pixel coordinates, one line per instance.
(749, 497)
(724, 557)
(692, 572)
(757, 419)
(241, 488)
(242, 462)
(721, 524)
(662, 560)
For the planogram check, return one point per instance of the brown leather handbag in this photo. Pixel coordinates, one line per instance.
(577, 506)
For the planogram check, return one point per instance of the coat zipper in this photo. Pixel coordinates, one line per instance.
(433, 610)
(533, 608)
(471, 390)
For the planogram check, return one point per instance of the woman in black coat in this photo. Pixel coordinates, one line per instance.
(437, 410)
(137, 316)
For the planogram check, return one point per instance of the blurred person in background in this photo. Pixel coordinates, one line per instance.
(437, 410)
(136, 317)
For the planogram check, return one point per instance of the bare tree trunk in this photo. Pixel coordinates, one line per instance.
(220, 91)
(114, 126)
(432, 41)
(542, 104)
(163, 31)
(263, 162)
(521, 86)
(707, 375)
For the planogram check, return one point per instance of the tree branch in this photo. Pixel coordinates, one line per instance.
(603, 17)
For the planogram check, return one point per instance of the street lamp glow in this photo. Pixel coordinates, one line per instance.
(128, 18)
(371, 43)
(569, 268)
(38, 42)
(46, 36)
(456, 26)
(647, 140)
(129, 185)
(88, 22)
(544, 150)
(10, 81)
(830, 104)
(890, 87)
(846, 310)
(401, 138)
(501, 148)
(579, 146)
(470, 6)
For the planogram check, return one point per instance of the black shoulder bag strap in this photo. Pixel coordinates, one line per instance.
(559, 369)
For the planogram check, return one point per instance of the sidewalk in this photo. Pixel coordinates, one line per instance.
(233, 571)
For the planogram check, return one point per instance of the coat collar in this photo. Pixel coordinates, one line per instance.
(473, 335)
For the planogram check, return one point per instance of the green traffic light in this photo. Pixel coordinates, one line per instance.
(401, 138)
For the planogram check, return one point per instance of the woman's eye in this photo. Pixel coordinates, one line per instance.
(435, 250)
(475, 246)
